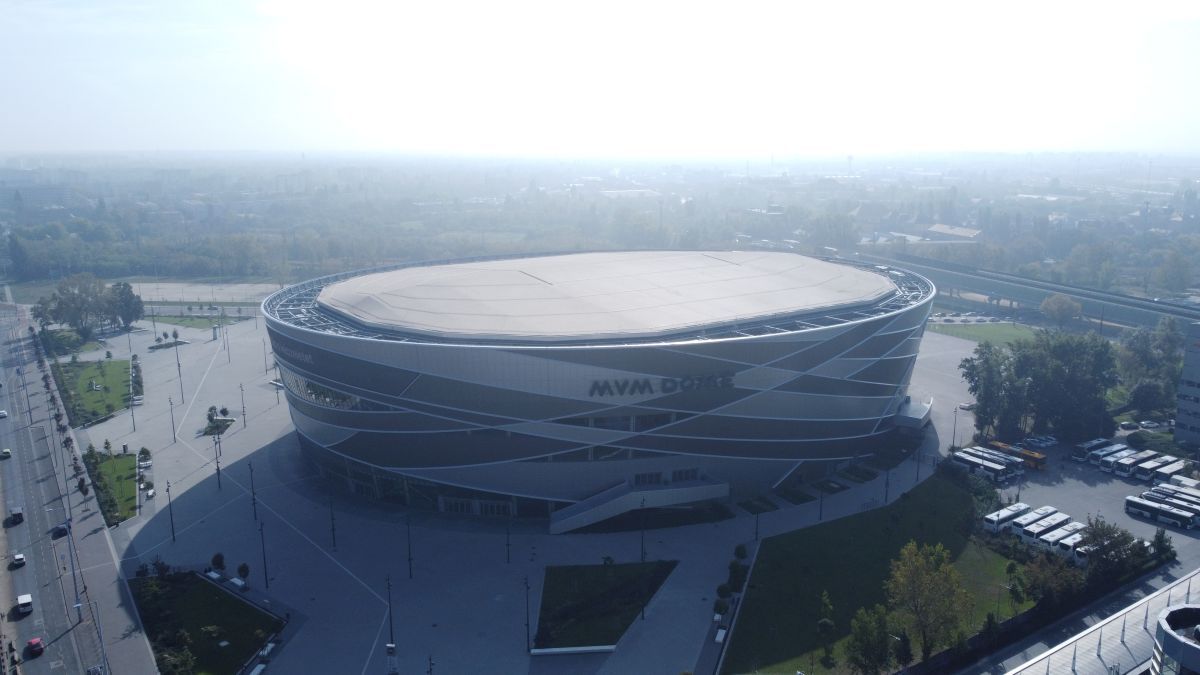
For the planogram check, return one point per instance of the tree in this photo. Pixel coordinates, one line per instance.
(218, 561)
(124, 304)
(868, 649)
(1163, 547)
(825, 625)
(1147, 396)
(928, 594)
(1050, 580)
(1060, 309)
(903, 649)
(1112, 550)
(243, 571)
(1055, 380)
(1175, 272)
(211, 414)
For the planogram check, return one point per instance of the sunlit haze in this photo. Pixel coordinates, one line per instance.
(571, 79)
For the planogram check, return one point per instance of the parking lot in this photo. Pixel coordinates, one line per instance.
(1082, 490)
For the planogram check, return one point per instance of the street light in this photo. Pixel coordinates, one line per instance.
(263, 539)
(527, 646)
(171, 509)
(954, 433)
(243, 390)
(171, 402)
(408, 529)
(253, 494)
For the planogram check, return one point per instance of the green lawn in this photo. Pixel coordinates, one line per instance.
(188, 603)
(202, 322)
(120, 474)
(85, 402)
(592, 605)
(999, 333)
(850, 558)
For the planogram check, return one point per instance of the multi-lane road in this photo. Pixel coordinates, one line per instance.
(33, 480)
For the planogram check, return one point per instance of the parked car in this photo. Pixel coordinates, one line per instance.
(36, 646)
(966, 406)
(6, 453)
(18, 560)
(1150, 424)
(1128, 426)
(3, 414)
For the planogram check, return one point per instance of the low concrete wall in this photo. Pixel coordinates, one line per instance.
(597, 649)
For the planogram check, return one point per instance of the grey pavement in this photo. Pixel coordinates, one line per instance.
(33, 479)
(464, 606)
(1082, 490)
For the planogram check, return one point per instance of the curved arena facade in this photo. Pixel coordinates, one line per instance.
(586, 385)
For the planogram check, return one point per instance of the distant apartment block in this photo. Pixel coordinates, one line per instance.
(1187, 418)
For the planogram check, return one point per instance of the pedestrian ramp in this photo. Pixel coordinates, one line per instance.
(625, 497)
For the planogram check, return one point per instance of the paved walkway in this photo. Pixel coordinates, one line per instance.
(106, 607)
(464, 603)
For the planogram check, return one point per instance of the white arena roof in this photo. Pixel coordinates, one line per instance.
(629, 294)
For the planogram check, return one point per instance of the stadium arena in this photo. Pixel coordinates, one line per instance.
(582, 386)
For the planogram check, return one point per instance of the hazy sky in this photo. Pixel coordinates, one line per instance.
(599, 78)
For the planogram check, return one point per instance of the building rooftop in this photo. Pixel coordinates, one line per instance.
(624, 295)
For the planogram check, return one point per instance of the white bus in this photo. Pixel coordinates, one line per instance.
(990, 470)
(1049, 541)
(1146, 471)
(1080, 452)
(1165, 474)
(995, 522)
(1015, 465)
(1126, 465)
(1109, 463)
(1033, 532)
(1158, 493)
(1066, 546)
(1184, 481)
(1020, 523)
(1162, 513)
(1175, 488)
(1095, 456)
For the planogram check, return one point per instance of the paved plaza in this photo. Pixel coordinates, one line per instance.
(461, 599)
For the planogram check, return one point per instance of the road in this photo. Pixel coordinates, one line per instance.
(32, 480)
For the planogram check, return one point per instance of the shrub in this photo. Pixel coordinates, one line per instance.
(739, 551)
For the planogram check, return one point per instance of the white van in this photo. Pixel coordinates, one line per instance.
(25, 604)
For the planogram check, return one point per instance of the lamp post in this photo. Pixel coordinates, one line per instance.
(391, 628)
(408, 530)
(264, 343)
(132, 417)
(171, 402)
(242, 389)
(333, 525)
(171, 509)
(526, 613)
(178, 365)
(954, 433)
(263, 539)
(253, 494)
(217, 459)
